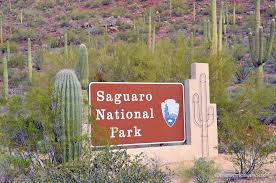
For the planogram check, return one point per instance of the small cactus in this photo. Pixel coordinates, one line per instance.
(234, 12)
(214, 45)
(170, 8)
(66, 45)
(5, 77)
(153, 39)
(8, 51)
(150, 32)
(220, 27)
(30, 59)
(68, 106)
(1, 31)
(194, 11)
(84, 67)
(21, 16)
(207, 33)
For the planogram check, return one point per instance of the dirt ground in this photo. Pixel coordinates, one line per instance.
(226, 169)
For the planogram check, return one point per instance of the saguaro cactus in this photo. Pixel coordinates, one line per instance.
(194, 11)
(214, 45)
(203, 114)
(5, 77)
(1, 31)
(30, 59)
(170, 8)
(8, 51)
(66, 46)
(207, 32)
(21, 16)
(153, 39)
(220, 26)
(234, 12)
(260, 52)
(150, 31)
(68, 106)
(261, 56)
(84, 67)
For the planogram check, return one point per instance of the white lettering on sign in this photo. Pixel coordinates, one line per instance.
(115, 131)
(118, 98)
(102, 114)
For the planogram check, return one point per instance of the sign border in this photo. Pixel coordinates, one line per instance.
(148, 143)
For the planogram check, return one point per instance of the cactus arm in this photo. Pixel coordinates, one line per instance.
(170, 8)
(214, 27)
(8, 51)
(150, 31)
(153, 38)
(220, 27)
(196, 108)
(194, 11)
(251, 48)
(257, 29)
(258, 15)
(30, 60)
(205, 31)
(234, 12)
(21, 16)
(261, 50)
(210, 118)
(5, 77)
(1, 31)
(84, 67)
(270, 40)
(66, 45)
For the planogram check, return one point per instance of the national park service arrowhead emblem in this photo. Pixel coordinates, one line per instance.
(170, 110)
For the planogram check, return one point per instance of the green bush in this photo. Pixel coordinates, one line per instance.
(78, 14)
(248, 141)
(22, 34)
(53, 42)
(104, 166)
(17, 60)
(204, 171)
(13, 47)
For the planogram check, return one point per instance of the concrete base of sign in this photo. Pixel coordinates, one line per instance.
(168, 154)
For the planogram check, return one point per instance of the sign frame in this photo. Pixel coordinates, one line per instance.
(147, 143)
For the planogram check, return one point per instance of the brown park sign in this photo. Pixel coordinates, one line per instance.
(137, 113)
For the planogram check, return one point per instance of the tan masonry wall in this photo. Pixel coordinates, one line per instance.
(201, 123)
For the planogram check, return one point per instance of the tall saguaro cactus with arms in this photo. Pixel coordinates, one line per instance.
(259, 51)
(68, 106)
(203, 114)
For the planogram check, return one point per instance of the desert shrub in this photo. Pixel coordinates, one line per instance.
(45, 5)
(13, 47)
(53, 42)
(27, 131)
(203, 171)
(238, 51)
(105, 166)
(78, 14)
(248, 141)
(22, 34)
(178, 11)
(17, 60)
(117, 12)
